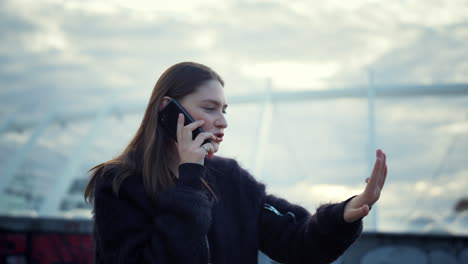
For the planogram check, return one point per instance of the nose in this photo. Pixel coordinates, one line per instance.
(221, 121)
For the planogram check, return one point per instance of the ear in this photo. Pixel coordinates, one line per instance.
(164, 102)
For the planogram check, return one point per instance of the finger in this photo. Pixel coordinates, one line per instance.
(205, 149)
(375, 172)
(208, 150)
(180, 126)
(378, 153)
(188, 129)
(208, 147)
(384, 159)
(210, 155)
(211, 152)
(383, 171)
(365, 210)
(356, 214)
(194, 125)
(381, 174)
(367, 180)
(202, 137)
(384, 177)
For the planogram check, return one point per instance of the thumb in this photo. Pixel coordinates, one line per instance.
(352, 215)
(210, 155)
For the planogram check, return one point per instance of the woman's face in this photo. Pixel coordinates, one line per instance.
(208, 103)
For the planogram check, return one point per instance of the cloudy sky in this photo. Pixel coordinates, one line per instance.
(58, 55)
(52, 49)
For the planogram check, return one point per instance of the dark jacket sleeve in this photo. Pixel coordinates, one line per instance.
(131, 229)
(289, 234)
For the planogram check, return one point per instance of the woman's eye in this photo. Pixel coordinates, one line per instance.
(212, 109)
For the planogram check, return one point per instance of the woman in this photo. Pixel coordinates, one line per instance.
(167, 201)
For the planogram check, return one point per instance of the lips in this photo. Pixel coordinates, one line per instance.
(219, 136)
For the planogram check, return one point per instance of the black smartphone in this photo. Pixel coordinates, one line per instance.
(169, 115)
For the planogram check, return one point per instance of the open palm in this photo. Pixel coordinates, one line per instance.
(360, 205)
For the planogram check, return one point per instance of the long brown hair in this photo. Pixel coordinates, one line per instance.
(146, 154)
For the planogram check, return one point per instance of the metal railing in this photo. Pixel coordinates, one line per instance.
(51, 204)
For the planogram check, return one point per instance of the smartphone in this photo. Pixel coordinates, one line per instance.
(169, 115)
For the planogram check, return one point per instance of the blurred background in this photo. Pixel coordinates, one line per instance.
(314, 88)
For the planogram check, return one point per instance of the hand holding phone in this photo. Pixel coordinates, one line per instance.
(193, 151)
(169, 115)
(189, 152)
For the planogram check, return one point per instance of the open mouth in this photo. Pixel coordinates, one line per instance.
(219, 136)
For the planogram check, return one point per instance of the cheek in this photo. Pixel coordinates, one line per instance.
(198, 116)
(208, 125)
(208, 121)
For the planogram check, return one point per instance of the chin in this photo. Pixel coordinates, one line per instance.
(215, 146)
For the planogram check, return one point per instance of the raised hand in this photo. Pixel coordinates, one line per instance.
(359, 206)
(192, 151)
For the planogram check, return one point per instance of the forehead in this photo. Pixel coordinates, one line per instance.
(210, 90)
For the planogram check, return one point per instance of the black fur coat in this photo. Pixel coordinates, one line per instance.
(188, 225)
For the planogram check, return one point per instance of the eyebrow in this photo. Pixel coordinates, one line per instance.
(214, 102)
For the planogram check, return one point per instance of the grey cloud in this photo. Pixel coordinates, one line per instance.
(12, 24)
(438, 55)
(105, 47)
(415, 51)
(121, 45)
